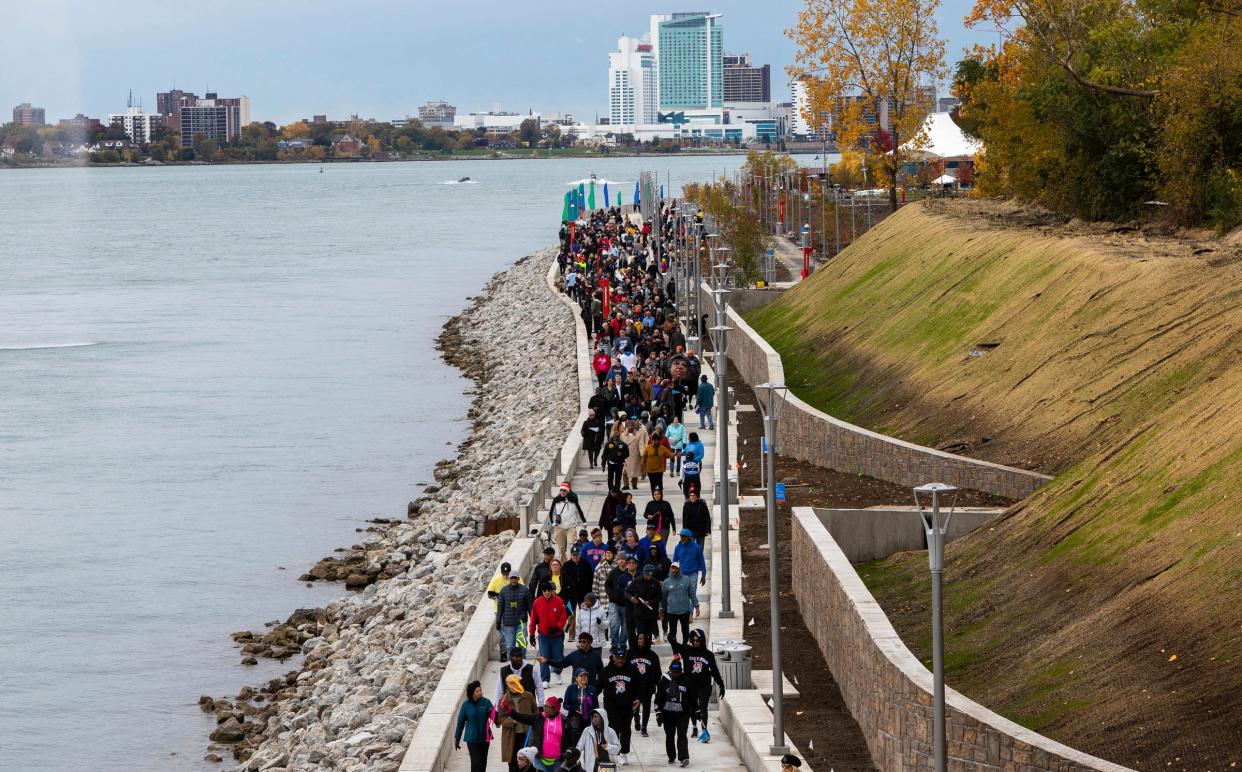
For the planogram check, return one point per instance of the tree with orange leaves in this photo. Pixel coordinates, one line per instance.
(857, 57)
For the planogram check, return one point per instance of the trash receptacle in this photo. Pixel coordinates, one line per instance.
(733, 658)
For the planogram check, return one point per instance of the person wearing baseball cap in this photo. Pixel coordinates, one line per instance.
(618, 685)
(689, 555)
(500, 579)
(674, 702)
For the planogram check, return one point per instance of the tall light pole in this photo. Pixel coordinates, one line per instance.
(720, 344)
(936, 530)
(771, 402)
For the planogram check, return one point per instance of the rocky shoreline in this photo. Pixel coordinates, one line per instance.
(373, 658)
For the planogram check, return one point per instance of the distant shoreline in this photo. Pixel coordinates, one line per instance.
(434, 158)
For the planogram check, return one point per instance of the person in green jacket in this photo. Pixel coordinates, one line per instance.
(475, 717)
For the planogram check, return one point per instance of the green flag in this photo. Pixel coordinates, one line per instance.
(565, 208)
(591, 197)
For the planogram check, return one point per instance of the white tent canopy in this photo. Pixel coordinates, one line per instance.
(944, 139)
(945, 179)
(588, 181)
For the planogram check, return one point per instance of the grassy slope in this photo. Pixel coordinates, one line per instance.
(1120, 371)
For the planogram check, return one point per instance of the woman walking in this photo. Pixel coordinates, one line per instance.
(654, 456)
(635, 437)
(474, 721)
(676, 435)
(512, 731)
(599, 742)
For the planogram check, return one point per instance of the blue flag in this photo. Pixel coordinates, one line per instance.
(582, 194)
(661, 192)
(606, 204)
(637, 195)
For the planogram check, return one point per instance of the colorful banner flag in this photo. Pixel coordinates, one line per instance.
(661, 192)
(581, 195)
(591, 197)
(608, 205)
(565, 208)
(637, 195)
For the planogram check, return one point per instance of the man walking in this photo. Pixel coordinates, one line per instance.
(705, 398)
(690, 556)
(565, 516)
(697, 517)
(674, 701)
(619, 686)
(677, 602)
(512, 609)
(615, 454)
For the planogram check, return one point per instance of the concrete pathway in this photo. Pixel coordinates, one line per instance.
(591, 485)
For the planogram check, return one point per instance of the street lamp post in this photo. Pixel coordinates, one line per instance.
(772, 401)
(720, 344)
(936, 530)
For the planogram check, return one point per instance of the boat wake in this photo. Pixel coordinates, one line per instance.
(38, 346)
(460, 182)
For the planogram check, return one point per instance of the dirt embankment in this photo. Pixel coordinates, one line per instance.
(1104, 610)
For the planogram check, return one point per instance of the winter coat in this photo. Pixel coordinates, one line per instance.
(599, 585)
(512, 606)
(580, 572)
(697, 517)
(678, 593)
(674, 695)
(676, 434)
(705, 396)
(473, 717)
(643, 597)
(655, 455)
(565, 511)
(660, 514)
(592, 741)
(616, 451)
(593, 620)
(696, 449)
(625, 515)
(635, 441)
(548, 616)
(647, 663)
(512, 731)
(588, 660)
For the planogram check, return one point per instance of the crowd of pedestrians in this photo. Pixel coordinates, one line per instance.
(611, 590)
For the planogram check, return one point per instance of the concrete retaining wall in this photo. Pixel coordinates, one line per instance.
(877, 532)
(812, 435)
(888, 690)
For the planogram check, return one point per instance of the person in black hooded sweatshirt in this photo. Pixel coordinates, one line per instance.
(700, 670)
(619, 686)
(647, 663)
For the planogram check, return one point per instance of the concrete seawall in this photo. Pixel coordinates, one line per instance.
(887, 689)
(811, 435)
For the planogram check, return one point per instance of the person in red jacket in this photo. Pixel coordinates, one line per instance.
(548, 616)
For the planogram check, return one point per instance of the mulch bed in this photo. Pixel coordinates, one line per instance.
(818, 721)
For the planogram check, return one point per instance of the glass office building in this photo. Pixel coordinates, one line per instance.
(689, 52)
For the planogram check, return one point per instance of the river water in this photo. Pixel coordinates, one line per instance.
(209, 378)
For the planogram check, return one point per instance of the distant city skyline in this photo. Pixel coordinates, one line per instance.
(383, 59)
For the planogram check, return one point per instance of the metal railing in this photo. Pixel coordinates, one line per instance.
(530, 512)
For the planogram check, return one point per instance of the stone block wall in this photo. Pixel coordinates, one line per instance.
(812, 435)
(889, 692)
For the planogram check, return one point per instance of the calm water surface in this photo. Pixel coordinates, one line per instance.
(209, 377)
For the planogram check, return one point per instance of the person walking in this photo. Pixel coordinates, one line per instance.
(615, 454)
(626, 513)
(635, 439)
(499, 580)
(689, 555)
(525, 672)
(705, 400)
(513, 732)
(584, 657)
(527, 758)
(675, 433)
(547, 619)
(474, 719)
(547, 733)
(580, 699)
(697, 517)
(577, 574)
(647, 662)
(643, 595)
(592, 618)
(513, 605)
(678, 600)
(674, 702)
(701, 670)
(659, 513)
(599, 741)
(691, 479)
(565, 516)
(618, 684)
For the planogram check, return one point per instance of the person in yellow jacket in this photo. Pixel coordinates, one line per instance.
(500, 580)
(654, 458)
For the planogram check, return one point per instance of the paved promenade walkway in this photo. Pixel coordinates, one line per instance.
(646, 752)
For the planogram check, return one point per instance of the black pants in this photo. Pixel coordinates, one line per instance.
(673, 621)
(657, 481)
(478, 756)
(675, 744)
(644, 711)
(702, 696)
(621, 718)
(592, 448)
(615, 478)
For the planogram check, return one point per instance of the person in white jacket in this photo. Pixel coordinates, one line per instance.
(592, 618)
(596, 738)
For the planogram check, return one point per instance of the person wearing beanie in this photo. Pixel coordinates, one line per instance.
(700, 664)
(647, 662)
(790, 762)
(674, 701)
(526, 759)
(565, 517)
(547, 732)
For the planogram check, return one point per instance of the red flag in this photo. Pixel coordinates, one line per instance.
(607, 297)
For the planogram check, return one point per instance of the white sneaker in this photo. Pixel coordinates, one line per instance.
(622, 760)
(545, 685)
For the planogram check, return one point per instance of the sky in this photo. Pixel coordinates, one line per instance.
(374, 58)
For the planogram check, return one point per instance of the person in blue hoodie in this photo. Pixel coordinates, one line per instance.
(689, 555)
